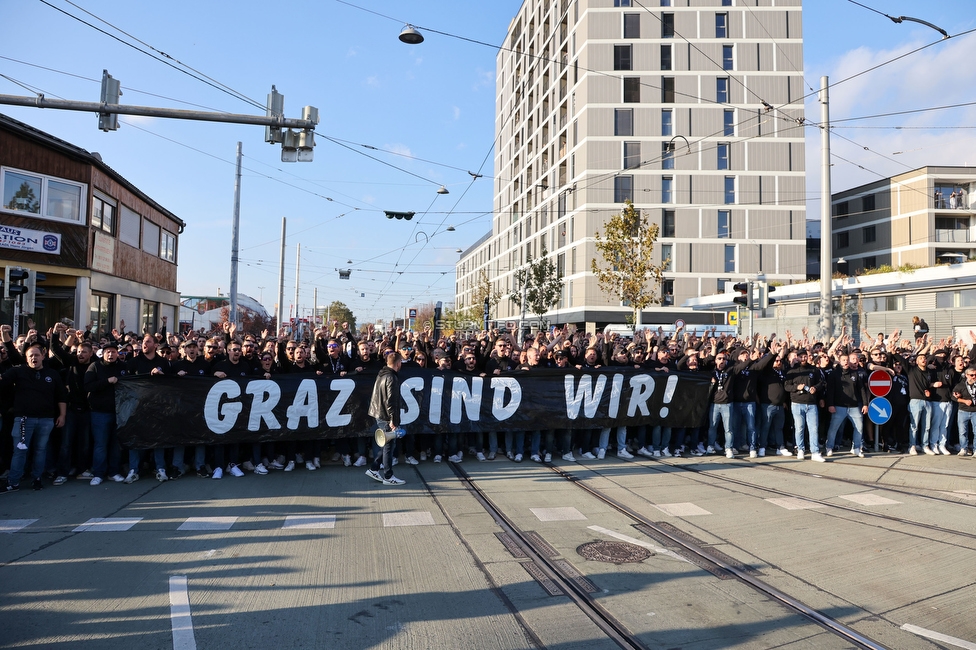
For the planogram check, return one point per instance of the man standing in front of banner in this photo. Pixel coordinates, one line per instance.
(384, 405)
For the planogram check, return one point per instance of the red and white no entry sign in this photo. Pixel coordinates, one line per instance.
(879, 383)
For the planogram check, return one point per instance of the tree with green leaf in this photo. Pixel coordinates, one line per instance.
(484, 289)
(627, 271)
(540, 283)
(24, 199)
(340, 313)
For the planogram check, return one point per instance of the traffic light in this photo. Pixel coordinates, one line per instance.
(390, 214)
(13, 282)
(764, 300)
(111, 91)
(31, 302)
(745, 297)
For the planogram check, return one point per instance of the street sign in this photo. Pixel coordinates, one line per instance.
(678, 324)
(879, 410)
(879, 383)
(733, 318)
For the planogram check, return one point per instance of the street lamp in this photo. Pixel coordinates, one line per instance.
(411, 36)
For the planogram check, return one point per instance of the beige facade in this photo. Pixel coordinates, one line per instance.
(922, 217)
(691, 111)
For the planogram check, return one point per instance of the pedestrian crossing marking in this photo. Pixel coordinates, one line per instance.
(421, 518)
(13, 525)
(310, 521)
(108, 524)
(794, 503)
(868, 499)
(557, 514)
(681, 509)
(208, 523)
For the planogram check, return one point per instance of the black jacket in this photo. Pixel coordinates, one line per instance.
(37, 393)
(385, 402)
(101, 393)
(807, 376)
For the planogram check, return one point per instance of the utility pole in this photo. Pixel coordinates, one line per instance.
(826, 227)
(235, 241)
(281, 278)
(298, 279)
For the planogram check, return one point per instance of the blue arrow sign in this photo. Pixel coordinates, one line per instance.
(879, 410)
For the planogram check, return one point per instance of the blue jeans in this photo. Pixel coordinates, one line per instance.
(966, 423)
(661, 437)
(920, 422)
(33, 430)
(75, 441)
(940, 423)
(746, 415)
(385, 456)
(519, 442)
(159, 458)
(805, 419)
(837, 418)
(721, 412)
(107, 454)
(771, 420)
(605, 438)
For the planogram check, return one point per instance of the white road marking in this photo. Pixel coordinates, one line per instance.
(13, 525)
(868, 499)
(208, 523)
(681, 509)
(420, 518)
(936, 636)
(179, 614)
(558, 514)
(108, 524)
(310, 521)
(793, 503)
(638, 542)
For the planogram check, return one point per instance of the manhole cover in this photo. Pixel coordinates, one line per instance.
(615, 552)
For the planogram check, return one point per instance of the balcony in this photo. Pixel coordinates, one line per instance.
(953, 236)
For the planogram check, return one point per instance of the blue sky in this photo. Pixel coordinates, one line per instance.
(427, 109)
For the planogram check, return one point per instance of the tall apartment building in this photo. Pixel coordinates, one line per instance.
(922, 217)
(690, 108)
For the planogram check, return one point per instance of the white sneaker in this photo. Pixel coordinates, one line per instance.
(248, 465)
(132, 476)
(518, 458)
(373, 474)
(491, 455)
(644, 451)
(753, 453)
(859, 453)
(218, 473)
(276, 465)
(928, 451)
(912, 451)
(360, 462)
(667, 453)
(623, 453)
(260, 469)
(547, 458)
(535, 458)
(655, 454)
(762, 452)
(437, 458)
(310, 466)
(161, 475)
(410, 460)
(568, 456)
(709, 450)
(729, 453)
(818, 458)
(456, 458)
(395, 461)
(799, 454)
(783, 451)
(299, 459)
(480, 456)
(701, 449)
(943, 450)
(393, 481)
(830, 452)
(95, 481)
(290, 467)
(423, 456)
(235, 470)
(588, 456)
(509, 455)
(317, 462)
(601, 454)
(117, 478)
(346, 460)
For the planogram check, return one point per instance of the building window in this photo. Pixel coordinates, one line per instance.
(723, 155)
(667, 187)
(842, 209)
(666, 121)
(667, 256)
(667, 90)
(632, 155)
(729, 190)
(150, 237)
(870, 262)
(667, 292)
(168, 247)
(623, 189)
(721, 25)
(730, 258)
(621, 3)
(102, 314)
(722, 90)
(103, 214)
(727, 62)
(623, 121)
(667, 25)
(843, 240)
(631, 90)
(724, 223)
(622, 57)
(667, 156)
(667, 223)
(631, 25)
(666, 57)
(870, 234)
(726, 3)
(728, 122)
(149, 312)
(42, 196)
(130, 227)
(665, 3)
(867, 203)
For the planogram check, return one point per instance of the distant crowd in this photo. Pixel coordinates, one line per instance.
(789, 395)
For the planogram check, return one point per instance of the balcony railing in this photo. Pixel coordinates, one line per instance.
(953, 236)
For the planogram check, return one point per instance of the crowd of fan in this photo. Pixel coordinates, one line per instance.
(777, 395)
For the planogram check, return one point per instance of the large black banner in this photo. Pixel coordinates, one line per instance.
(161, 411)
